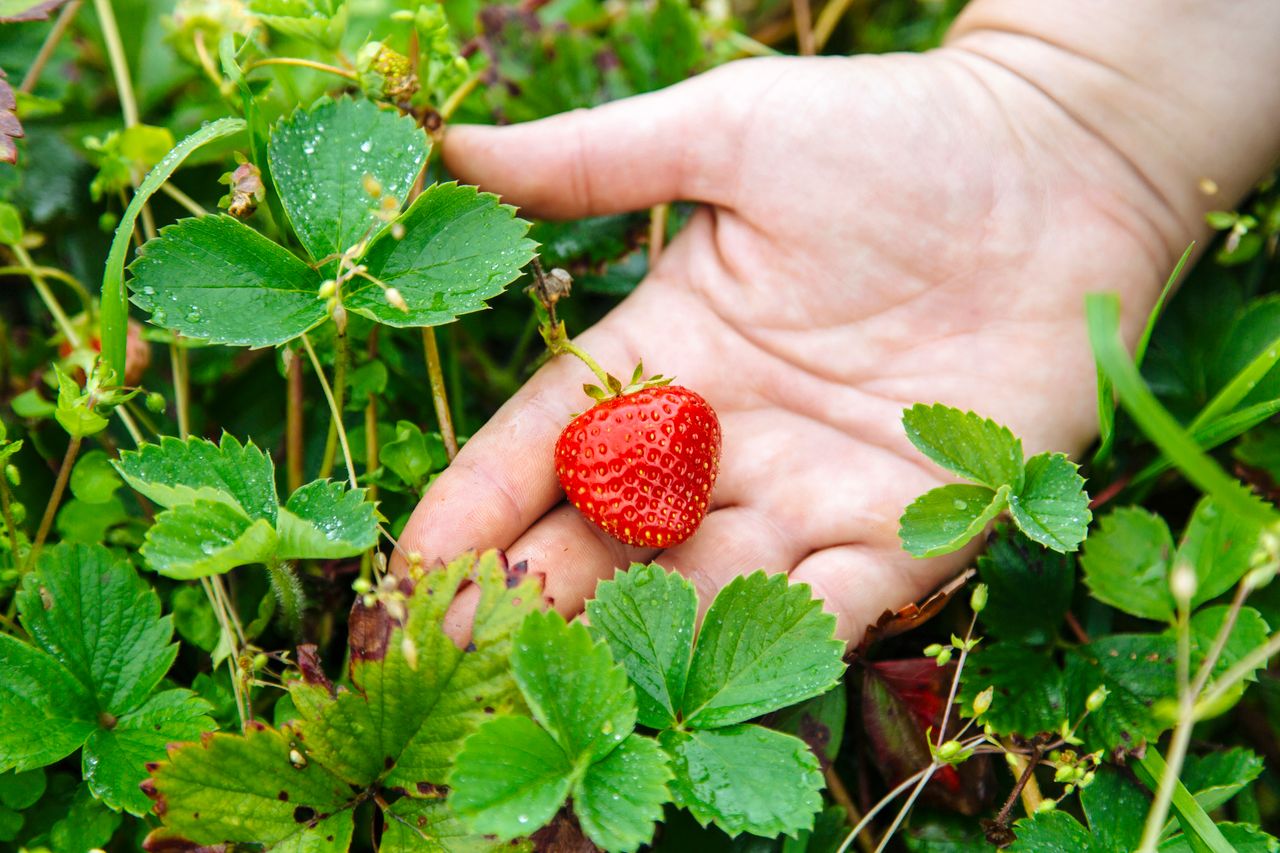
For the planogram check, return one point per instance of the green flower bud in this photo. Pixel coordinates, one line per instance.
(9, 576)
(932, 650)
(1046, 806)
(944, 657)
(978, 600)
(1096, 698)
(949, 750)
(362, 586)
(13, 475)
(1064, 773)
(1087, 779)
(259, 661)
(18, 511)
(155, 402)
(982, 702)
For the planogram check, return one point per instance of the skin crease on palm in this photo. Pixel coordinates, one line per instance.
(875, 232)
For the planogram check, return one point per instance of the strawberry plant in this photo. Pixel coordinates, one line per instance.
(253, 307)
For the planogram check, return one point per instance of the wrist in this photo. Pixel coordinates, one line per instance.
(1185, 109)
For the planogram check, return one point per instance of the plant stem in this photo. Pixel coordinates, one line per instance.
(458, 96)
(835, 786)
(657, 231)
(129, 425)
(439, 396)
(293, 420)
(301, 63)
(119, 64)
(180, 389)
(53, 272)
(206, 61)
(50, 45)
(333, 410)
(46, 295)
(371, 427)
(827, 20)
(1181, 739)
(219, 612)
(340, 357)
(288, 592)
(804, 26)
(8, 517)
(906, 807)
(193, 207)
(51, 509)
(564, 345)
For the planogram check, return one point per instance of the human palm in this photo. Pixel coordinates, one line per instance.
(877, 232)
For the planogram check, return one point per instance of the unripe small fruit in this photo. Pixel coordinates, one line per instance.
(13, 475)
(949, 750)
(155, 402)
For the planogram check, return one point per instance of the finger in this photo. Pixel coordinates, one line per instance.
(731, 542)
(572, 555)
(858, 583)
(504, 479)
(626, 155)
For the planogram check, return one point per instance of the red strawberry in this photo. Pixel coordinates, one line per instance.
(640, 466)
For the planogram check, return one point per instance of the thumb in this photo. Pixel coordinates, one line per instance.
(626, 155)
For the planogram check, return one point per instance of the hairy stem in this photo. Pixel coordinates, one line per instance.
(51, 509)
(288, 590)
(334, 411)
(439, 396)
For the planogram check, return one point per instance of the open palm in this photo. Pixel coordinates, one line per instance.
(877, 232)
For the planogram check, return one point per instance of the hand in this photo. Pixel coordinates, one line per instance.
(877, 232)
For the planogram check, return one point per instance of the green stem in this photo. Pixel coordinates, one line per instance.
(371, 429)
(439, 396)
(334, 411)
(301, 63)
(61, 275)
(193, 207)
(459, 95)
(51, 509)
(181, 389)
(1200, 830)
(119, 64)
(293, 420)
(46, 295)
(559, 344)
(50, 45)
(340, 394)
(8, 517)
(220, 613)
(288, 591)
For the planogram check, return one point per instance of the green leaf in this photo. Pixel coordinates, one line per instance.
(115, 306)
(76, 411)
(1149, 766)
(218, 280)
(319, 158)
(460, 247)
(572, 686)
(765, 644)
(1116, 807)
(1054, 832)
(648, 616)
(93, 480)
(1219, 544)
(1249, 632)
(247, 788)
(966, 444)
(1138, 672)
(1018, 571)
(430, 826)
(1029, 693)
(22, 790)
(414, 455)
(819, 722)
(45, 714)
(325, 520)
(88, 825)
(1052, 507)
(176, 472)
(719, 777)
(620, 799)
(1242, 838)
(1126, 563)
(206, 538)
(1218, 776)
(91, 612)
(319, 21)
(1103, 311)
(511, 778)
(945, 519)
(115, 757)
(403, 724)
(10, 224)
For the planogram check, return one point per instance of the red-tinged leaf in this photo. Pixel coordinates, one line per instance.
(10, 127)
(901, 701)
(894, 622)
(15, 11)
